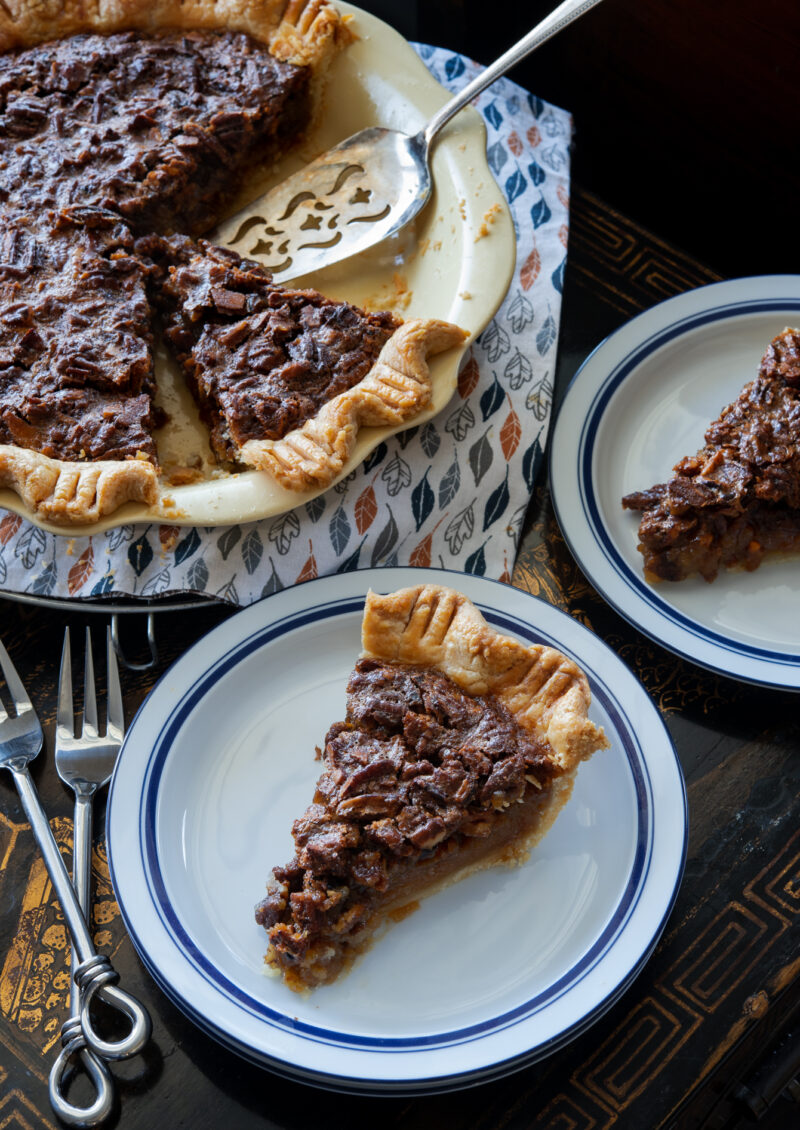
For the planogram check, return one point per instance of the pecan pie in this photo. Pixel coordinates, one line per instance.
(738, 498)
(129, 120)
(458, 749)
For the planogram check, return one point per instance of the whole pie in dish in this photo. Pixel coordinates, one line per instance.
(131, 121)
(738, 498)
(458, 749)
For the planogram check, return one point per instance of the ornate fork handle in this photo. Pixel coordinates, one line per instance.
(73, 1042)
(94, 973)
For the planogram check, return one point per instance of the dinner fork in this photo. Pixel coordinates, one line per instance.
(21, 740)
(85, 764)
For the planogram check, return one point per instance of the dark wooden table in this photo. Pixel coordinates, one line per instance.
(705, 1032)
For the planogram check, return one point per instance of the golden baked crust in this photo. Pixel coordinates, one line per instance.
(71, 493)
(435, 626)
(396, 389)
(297, 31)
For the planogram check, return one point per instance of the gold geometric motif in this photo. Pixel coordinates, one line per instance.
(624, 266)
(662, 278)
(18, 1113)
(777, 887)
(720, 957)
(702, 977)
(640, 1048)
(563, 1113)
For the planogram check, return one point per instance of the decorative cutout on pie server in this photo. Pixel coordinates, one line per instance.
(349, 199)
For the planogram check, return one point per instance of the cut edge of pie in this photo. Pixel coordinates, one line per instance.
(546, 694)
(395, 390)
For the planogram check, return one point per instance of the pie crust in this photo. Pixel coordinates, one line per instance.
(546, 692)
(70, 492)
(397, 388)
(304, 32)
(395, 815)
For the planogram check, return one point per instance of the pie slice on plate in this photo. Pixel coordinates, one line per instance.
(458, 749)
(738, 498)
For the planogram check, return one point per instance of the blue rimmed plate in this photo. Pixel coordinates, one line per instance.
(641, 401)
(489, 975)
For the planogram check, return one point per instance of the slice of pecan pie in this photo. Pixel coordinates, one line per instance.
(738, 498)
(76, 367)
(285, 378)
(458, 749)
(158, 128)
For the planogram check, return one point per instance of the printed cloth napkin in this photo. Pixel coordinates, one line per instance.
(451, 493)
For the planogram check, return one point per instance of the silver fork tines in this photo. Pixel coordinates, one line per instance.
(85, 762)
(21, 734)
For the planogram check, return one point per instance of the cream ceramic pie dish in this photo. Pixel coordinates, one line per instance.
(454, 264)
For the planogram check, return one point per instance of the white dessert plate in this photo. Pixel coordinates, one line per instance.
(640, 402)
(488, 976)
(454, 262)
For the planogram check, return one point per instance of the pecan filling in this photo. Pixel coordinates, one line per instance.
(102, 136)
(418, 768)
(261, 359)
(739, 497)
(76, 370)
(156, 128)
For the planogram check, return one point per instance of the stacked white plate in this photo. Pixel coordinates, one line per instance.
(486, 977)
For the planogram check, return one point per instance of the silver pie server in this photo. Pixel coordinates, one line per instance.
(366, 188)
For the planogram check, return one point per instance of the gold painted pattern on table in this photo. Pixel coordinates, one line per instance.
(626, 267)
(710, 967)
(35, 977)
